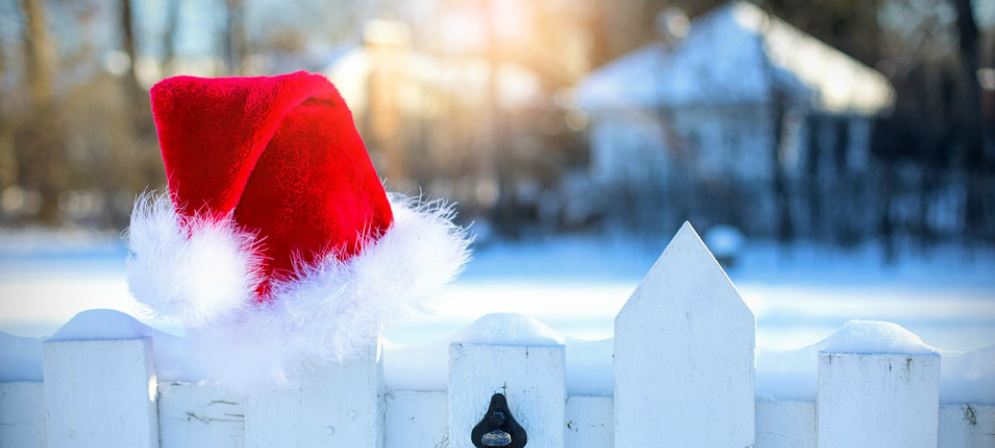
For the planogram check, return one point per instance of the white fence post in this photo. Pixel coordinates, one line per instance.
(340, 406)
(967, 426)
(100, 393)
(531, 377)
(417, 420)
(195, 415)
(875, 400)
(22, 415)
(786, 424)
(684, 355)
(589, 422)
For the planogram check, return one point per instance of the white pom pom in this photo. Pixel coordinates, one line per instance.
(194, 271)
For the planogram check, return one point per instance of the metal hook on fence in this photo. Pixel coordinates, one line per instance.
(498, 428)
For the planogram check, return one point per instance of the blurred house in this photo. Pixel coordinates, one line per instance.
(734, 118)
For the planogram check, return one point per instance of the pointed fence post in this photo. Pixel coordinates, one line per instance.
(684, 355)
(884, 401)
(340, 407)
(101, 393)
(530, 376)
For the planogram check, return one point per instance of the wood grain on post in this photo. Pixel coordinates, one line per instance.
(195, 415)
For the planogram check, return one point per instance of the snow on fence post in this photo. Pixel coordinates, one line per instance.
(879, 400)
(100, 393)
(339, 406)
(684, 355)
(530, 376)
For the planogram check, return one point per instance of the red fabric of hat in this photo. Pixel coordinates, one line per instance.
(277, 245)
(279, 154)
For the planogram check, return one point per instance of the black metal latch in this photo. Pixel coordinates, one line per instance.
(498, 428)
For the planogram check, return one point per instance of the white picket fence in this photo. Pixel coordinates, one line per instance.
(684, 377)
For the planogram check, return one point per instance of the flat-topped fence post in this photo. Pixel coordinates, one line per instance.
(967, 426)
(22, 414)
(200, 415)
(684, 355)
(340, 406)
(531, 377)
(100, 393)
(879, 400)
(786, 424)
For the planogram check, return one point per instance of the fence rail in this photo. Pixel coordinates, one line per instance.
(684, 376)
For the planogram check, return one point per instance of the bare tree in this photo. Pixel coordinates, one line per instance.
(169, 36)
(971, 134)
(8, 156)
(129, 45)
(137, 162)
(40, 137)
(236, 40)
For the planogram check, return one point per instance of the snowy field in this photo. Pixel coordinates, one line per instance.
(800, 296)
(575, 286)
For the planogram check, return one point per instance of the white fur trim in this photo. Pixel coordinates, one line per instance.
(192, 270)
(329, 313)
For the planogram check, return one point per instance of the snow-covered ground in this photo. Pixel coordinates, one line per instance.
(576, 286)
(801, 296)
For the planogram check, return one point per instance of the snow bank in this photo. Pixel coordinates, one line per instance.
(968, 377)
(589, 367)
(788, 375)
(41, 242)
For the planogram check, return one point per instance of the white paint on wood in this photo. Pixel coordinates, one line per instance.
(967, 426)
(339, 406)
(417, 419)
(22, 415)
(100, 394)
(880, 401)
(684, 355)
(786, 424)
(590, 422)
(530, 377)
(196, 415)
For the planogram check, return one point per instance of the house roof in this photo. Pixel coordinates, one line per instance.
(737, 54)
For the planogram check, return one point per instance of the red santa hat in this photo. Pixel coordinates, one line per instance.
(277, 245)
